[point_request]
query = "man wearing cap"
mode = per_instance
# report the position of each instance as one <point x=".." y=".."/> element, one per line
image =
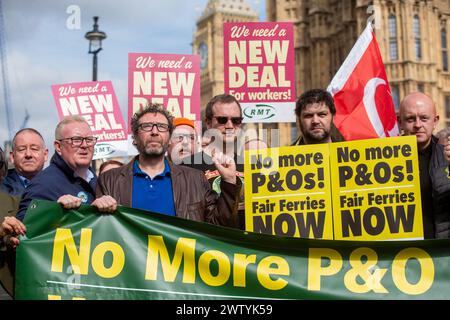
<point x="183" y="142"/>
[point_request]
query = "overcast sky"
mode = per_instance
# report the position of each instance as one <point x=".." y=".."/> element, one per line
<point x="42" y="50"/>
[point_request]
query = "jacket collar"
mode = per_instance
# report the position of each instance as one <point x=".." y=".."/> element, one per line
<point x="59" y="162"/>
<point x="127" y="170"/>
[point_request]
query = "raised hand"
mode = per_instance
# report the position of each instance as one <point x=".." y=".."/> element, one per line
<point x="225" y="165"/>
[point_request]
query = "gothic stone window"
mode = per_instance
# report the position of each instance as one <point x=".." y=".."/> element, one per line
<point x="395" y="91"/>
<point x="393" y="49"/>
<point x="447" y="107"/>
<point x="417" y="40"/>
<point x="444" y="50"/>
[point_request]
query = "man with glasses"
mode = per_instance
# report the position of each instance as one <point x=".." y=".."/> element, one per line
<point x="183" y="142"/>
<point x="28" y="155"/>
<point x="223" y="118"/>
<point x="68" y="179"/>
<point x="150" y="182"/>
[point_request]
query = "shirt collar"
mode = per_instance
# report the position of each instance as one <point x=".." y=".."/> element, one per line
<point x="24" y="180"/>
<point x="426" y="151"/>
<point x="89" y="177"/>
<point x="139" y="172"/>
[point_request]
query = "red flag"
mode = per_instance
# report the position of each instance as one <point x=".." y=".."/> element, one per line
<point x="364" y="105"/>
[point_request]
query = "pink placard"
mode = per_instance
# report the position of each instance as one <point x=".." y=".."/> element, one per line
<point x="96" y="102"/>
<point x="259" y="61"/>
<point x="172" y="80"/>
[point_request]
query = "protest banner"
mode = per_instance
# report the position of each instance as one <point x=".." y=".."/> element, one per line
<point x="172" y="80"/>
<point x="259" y="69"/>
<point x="133" y="254"/>
<point x="288" y="191"/>
<point x="96" y="101"/>
<point x="376" y="189"/>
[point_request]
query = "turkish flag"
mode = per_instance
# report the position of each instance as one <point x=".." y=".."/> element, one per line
<point x="364" y="105"/>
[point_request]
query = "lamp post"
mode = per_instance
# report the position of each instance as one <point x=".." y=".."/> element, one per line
<point x="95" y="38"/>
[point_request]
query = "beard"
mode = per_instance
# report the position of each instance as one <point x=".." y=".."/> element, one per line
<point x="316" y="137"/>
<point x="152" y="148"/>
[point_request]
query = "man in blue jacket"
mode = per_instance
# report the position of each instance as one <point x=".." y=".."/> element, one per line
<point x="28" y="155"/>
<point x="68" y="179"/>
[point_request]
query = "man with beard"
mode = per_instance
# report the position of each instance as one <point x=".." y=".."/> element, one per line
<point x="150" y="182"/>
<point x="315" y="111"/>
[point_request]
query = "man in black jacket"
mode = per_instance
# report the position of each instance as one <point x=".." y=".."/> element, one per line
<point x="418" y="117"/>
<point x="223" y="118"/>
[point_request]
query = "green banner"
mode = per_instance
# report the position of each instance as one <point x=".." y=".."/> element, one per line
<point x="133" y="254"/>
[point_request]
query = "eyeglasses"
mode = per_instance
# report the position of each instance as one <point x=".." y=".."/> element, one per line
<point x="148" y="126"/>
<point x="224" y="120"/>
<point x="179" y="137"/>
<point x="78" y="141"/>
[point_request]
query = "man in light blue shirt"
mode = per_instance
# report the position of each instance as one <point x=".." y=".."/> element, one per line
<point x="28" y="155"/>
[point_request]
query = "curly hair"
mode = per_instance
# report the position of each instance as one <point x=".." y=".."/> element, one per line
<point x="151" y="108"/>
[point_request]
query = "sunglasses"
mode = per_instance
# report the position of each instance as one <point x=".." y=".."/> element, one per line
<point x="224" y="120"/>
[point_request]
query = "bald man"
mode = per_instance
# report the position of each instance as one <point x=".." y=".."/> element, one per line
<point x="418" y="117"/>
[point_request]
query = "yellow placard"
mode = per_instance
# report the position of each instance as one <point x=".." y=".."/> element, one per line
<point x="288" y="191"/>
<point x="376" y="189"/>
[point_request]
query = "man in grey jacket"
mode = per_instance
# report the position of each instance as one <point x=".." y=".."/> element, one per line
<point x="150" y="182"/>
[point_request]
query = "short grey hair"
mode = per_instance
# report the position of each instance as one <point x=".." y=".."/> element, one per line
<point x="13" y="146"/>
<point x="67" y="120"/>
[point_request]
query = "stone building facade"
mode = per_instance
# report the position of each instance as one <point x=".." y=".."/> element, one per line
<point x="208" y="42"/>
<point x="413" y="36"/>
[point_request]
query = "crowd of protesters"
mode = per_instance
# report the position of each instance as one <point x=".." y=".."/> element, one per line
<point x="186" y="175"/>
